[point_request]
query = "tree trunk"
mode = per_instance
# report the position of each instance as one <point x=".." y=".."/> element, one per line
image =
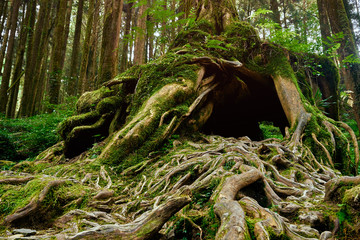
<point x="274" y="6"/>
<point x="139" y="45"/>
<point x="91" y="69"/>
<point x="3" y="15"/>
<point x="86" y="48"/>
<point x="324" y="23"/>
<point x="9" y="57"/>
<point x="340" y="23"/>
<point x="33" y="58"/>
<point x="57" y="56"/>
<point x="127" y="38"/>
<point x="25" y="33"/>
<point x="110" y="40"/>
<point x="5" y="38"/>
<point x="74" y="65"/>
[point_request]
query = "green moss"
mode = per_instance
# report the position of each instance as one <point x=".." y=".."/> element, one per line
<point x="16" y="197"/>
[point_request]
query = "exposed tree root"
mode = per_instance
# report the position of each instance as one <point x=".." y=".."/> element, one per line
<point x="33" y="208"/>
<point x="144" y="227"/>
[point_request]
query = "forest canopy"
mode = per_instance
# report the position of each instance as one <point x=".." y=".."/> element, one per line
<point x="166" y="119"/>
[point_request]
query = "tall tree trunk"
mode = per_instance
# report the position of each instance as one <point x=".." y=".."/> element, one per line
<point x="139" y="50"/>
<point x="74" y="65"/>
<point x="5" y="38"/>
<point x="91" y="69"/>
<point x="26" y="27"/>
<point x="340" y="23"/>
<point x="124" y="56"/>
<point x="32" y="57"/>
<point x="274" y="6"/>
<point x="110" y="40"/>
<point x="3" y="15"/>
<point x="39" y="81"/>
<point x="57" y="55"/>
<point x="86" y="48"/>
<point x="9" y="56"/>
<point x="324" y="22"/>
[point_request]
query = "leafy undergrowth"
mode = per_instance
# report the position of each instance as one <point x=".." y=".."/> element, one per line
<point x="25" y="138"/>
<point x="83" y="195"/>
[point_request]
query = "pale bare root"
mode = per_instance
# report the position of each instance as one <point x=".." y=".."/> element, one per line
<point x="144" y="227"/>
<point x="231" y="214"/>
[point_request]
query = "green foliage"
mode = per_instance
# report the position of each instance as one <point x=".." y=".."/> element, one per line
<point x="26" y="137"/>
<point x="270" y="131"/>
<point x="343" y="214"/>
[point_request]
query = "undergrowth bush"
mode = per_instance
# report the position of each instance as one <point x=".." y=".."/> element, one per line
<point x="25" y="138"/>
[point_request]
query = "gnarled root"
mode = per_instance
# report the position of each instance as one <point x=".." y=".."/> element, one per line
<point x="145" y="226"/>
<point x="33" y="207"/>
<point x="233" y="224"/>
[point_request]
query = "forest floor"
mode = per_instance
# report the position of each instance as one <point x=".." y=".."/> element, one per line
<point x="182" y="187"/>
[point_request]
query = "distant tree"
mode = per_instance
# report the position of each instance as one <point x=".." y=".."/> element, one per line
<point x="57" y="55"/>
<point x="34" y="59"/>
<point x="86" y="48"/>
<point x="9" y="57"/>
<point x="125" y="49"/>
<point x="74" y="65"/>
<point x="25" y="33"/>
<point x="139" y="48"/>
<point x="110" y="40"/>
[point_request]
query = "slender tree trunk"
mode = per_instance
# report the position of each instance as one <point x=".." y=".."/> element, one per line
<point x="38" y="79"/>
<point x="74" y="65"/>
<point x="86" y="48"/>
<point x="31" y="60"/>
<point x="139" y="51"/>
<point x="5" y="38"/>
<point x="26" y="27"/>
<point x="9" y="56"/>
<point x="340" y="23"/>
<point x="93" y="49"/>
<point x="3" y="15"/>
<point x="110" y="40"/>
<point x="124" y="56"/>
<point x="57" y="55"/>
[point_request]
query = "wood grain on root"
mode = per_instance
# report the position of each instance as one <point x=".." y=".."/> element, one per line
<point x="231" y="214"/>
<point x="144" y="227"/>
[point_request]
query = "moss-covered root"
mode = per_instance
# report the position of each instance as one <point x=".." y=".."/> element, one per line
<point x="335" y="188"/>
<point x="33" y="208"/>
<point x="146" y="121"/>
<point x="270" y="225"/>
<point x="144" y="227"/>
<point x="233" y="224"/>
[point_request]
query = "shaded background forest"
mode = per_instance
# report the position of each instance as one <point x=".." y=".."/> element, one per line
<point x="52" y="51"/>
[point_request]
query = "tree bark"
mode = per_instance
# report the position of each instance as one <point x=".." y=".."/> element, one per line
<point x="340" y="23"/>
<point x="86" y="48"/>
<point x="324" y="23"/>
<point x="91" y="69"/>
<point x="57" y="56"/>
<point x="33" y="59"/>
<point x="139" y="46"/>
<point x="3" y="15"/>
<point x="5" y="38"/>
<point x="124" y="56"/>
<point x="274" y="6"/>
<point x="74" y="65"/>
<point x="110" y="40"/>
<point x="25" y="32"/>
<point x="9" y="56"/>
